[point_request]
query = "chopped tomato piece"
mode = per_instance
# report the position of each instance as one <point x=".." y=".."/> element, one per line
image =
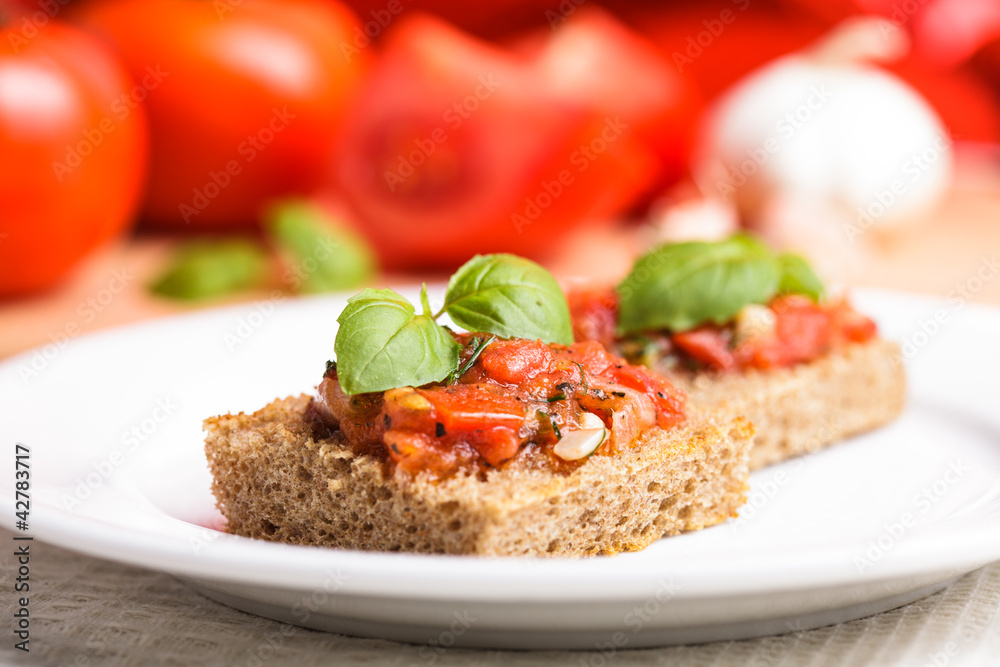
<point x="850" y="325"/>
<point x="515" y="361"/>
<point x="356" y="416"/>
<point x="802" y="327"/>
<point x="416" y="451"/>
<point x="467" y="407"/>
<point x="668" y="399"/>
<point x="497" y="444"/>
<point x="762" y="354"/>
<point x="592" y="356"/>
<point x="406" y="409"/>
<point x="407" y="446"/>
<point x="595" y="313"/>
<point x="707" y="345"/>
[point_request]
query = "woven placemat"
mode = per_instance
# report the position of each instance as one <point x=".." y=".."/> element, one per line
<point x="86" y="611"/>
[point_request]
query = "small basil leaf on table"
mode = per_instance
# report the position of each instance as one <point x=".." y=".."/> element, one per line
<point x="203" y="269"/>
<point x="797" y="277"/>
<point x="509" y="296"/>
<point x="323" y="255"/>
<point x="683" y="285"/>
<point x="382" y="343"/>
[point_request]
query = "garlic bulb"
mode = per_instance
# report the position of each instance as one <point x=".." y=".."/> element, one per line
<point x="853" y="142"/>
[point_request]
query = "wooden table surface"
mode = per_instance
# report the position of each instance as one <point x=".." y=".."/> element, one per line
<point x="955" y="249"/>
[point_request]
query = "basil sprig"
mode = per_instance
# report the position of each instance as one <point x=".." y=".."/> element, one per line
<point x="509" y="296"/>
<point x="681" y="286"/>
<point x="797" y="277"/>
<point x="384" y="343"/>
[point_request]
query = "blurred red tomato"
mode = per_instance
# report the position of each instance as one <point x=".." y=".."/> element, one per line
<point x="986" y="64"/>
<point x="74" y="154"/>
<point x="494" y="19"/>
<point x="456" y="147"/>
<point x="595" y="61"/>
<point x="244" y="98"/>
<point x="964" y="102"/>
<point x="716" y="42"/>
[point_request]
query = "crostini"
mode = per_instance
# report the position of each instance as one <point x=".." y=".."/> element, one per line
<point x="509" y="440"/>
<point x="750" y="333"/>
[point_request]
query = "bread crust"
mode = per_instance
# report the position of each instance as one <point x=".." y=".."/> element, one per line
<point x="273" y="480"/>
<point x="806" y="407"/>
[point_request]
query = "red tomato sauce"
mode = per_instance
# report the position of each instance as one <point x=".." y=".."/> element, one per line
<point x="515" y="394"/>
<point x="802" y="331"/>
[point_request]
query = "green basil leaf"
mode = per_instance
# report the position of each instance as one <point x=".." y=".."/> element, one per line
<point x="509" y="296"/>
<point x="797" y="277"/>
<point x="382" y="343"/>
<point x="683" y="285"/>
<point x="322" y="255"/>
<point x="203" y="269"/>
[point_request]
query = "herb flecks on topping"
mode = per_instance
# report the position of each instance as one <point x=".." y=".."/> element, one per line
<point x="476" y="346"/>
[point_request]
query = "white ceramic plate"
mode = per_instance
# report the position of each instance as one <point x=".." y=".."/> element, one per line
<point x="114" y="426"/>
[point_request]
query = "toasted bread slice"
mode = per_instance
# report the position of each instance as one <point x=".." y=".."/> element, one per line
<point x="274" y="481"/>
<point x="806" y="407"/>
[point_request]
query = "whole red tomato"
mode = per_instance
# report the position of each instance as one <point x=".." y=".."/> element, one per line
<point x="968" y="106"/>
<point x="593" y="60"/>
<point x="244" y="98"/>
<point x="456" y="146"/>
<point x="73" y="152"/>
<point x="490" y="20"/>
<point x="716" y="42"/>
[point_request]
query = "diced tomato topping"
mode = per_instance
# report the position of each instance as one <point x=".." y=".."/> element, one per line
<point x="516" y="392"/>
<point x="803" y="331"/>
<point x="708" y="345"/>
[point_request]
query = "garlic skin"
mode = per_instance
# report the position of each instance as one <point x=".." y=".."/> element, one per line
<point x="857" y="142"/>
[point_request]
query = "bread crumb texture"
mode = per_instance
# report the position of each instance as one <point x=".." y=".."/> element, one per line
<point x="804" y="408"/>
<point x="274" y="481"/>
